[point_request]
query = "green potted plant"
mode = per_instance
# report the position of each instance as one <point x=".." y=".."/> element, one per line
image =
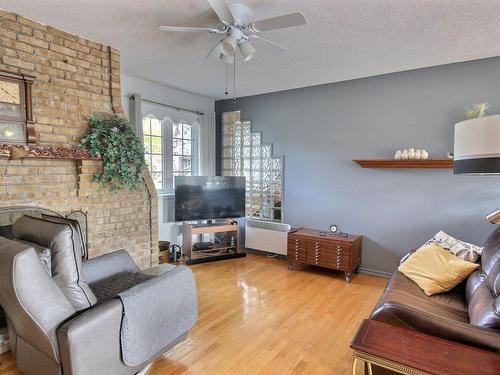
<point x="112" y="139"/>
<point x="477" y="110"/>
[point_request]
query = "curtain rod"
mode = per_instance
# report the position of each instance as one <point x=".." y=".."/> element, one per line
<point x="172" y="106"/>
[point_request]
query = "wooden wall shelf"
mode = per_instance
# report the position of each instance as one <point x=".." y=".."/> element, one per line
<point x="391" y="163"/>
<point x="43" y="152"/>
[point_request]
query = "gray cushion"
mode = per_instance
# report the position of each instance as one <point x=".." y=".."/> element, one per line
<point x="66" y="256"/>
<point x="110" y="288"/>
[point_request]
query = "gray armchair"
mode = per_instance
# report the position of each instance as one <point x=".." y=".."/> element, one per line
<point x="100" y="316"/>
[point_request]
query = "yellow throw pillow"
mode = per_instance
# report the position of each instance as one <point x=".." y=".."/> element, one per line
<point x="435" y="269"/>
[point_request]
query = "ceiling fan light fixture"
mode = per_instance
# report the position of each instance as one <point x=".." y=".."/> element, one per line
<point x="247" y="50"/>
<point x="229" y="45"/>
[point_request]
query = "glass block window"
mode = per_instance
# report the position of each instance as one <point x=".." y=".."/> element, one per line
<point x="244" y="154"/>
<point x="154" y="152"/>
<point x="182" y="141"/>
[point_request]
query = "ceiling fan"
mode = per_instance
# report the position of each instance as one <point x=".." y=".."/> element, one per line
<point x="239" y="29"/>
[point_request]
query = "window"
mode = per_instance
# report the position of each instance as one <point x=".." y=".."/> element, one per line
<point x="154" y="152"/>
<point x="170" y="149"/>
<point x="182" y="135"/>
<point x="244" y="154"/>
<point x="16" y="123"/>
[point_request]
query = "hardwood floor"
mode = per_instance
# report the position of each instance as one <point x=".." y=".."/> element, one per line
<point x="257" y="317"/>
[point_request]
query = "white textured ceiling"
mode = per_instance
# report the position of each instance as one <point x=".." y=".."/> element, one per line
<point x="344" y="39"/>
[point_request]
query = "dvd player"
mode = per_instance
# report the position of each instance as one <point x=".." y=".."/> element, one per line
<point x="203" y="246"/>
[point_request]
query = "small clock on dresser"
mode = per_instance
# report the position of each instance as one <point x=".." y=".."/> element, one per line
<point x="334" y="229"/>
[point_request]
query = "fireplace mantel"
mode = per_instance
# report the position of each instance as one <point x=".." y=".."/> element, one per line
<point x="43" y="152"/>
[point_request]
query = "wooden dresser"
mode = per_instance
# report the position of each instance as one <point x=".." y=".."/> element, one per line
<point x="338" y="252"/>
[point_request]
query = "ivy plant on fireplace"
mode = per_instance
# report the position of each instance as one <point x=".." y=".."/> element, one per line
<point x="112" y="139"/>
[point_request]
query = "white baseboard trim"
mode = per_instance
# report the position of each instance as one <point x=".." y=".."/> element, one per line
<point x="368" y="271"/>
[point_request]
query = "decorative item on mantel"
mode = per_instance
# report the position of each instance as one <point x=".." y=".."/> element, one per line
<point x="16" y="152"/>
<point x="411" y="154"/>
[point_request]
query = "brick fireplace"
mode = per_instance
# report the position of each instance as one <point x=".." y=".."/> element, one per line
<point x="75" y="77"/>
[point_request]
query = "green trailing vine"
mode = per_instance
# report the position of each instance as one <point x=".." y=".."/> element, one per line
<point x="112" y="139"/>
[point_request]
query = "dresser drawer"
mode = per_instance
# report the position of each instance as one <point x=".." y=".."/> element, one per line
<point x="297" y="256"/>
<point x="337" y="264"/>
<point x="329" y="247"/>
<point x="333" y="257"/>
<point x="297" y="249"/>
<point x="294" y="241"/>
<point x="321" y="259"/>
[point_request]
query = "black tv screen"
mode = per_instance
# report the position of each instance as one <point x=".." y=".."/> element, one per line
<point x="205" y="198"/>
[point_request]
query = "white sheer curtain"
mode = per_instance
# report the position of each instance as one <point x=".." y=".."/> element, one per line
<point x="136" y="114"/>
<point x="207" y="143"/>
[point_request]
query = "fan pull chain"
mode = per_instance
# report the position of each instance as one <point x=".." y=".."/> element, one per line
<point x="234" y="78"/>
<point x="226" y="92"/>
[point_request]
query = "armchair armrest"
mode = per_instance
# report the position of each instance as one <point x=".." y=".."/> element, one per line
<point x="31" y="298"/>
<point x="90" y="342"/>
<point x="107" y="265"/>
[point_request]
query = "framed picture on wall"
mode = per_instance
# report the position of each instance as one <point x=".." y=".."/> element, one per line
<point x="16" y="115"/>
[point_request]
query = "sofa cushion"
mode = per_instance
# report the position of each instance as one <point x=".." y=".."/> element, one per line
<point x="462" y="249"/>
<point x="399" y="286"/>
<point x="435" y="269"/>
<point x="483" y="287"/>
<point x="66" y="256"/>
<point x="445" y="315"/>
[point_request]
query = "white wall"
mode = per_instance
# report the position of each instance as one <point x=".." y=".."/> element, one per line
<point x="164" y="94"/>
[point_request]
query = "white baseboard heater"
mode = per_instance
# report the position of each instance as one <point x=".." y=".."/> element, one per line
<point x="266" y="236"/>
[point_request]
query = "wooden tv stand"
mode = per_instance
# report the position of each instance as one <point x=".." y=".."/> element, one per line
<point x="339" y="252"/>
<point x="220" y="251"/>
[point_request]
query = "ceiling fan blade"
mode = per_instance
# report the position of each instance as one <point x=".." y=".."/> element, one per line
<point x="280" y="22"/>
<point x="188" y="29"/>
<point x="215" y="52"/>
<point x="222" y="10"/>
<point x="267" y="40"/>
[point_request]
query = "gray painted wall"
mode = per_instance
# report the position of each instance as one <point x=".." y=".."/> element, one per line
<point x="321" y="129"/>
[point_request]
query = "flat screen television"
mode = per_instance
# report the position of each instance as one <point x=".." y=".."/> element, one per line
<point x="205" y="198"/>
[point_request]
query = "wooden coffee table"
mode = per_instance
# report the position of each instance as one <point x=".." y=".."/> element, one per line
<point x="406" y="351"/>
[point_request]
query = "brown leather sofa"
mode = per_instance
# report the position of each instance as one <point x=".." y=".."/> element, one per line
<point x="469" y="314"/>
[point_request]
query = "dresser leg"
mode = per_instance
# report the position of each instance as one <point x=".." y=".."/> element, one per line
<point x="290" y="267"/>
<point x="347" y="277"/>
